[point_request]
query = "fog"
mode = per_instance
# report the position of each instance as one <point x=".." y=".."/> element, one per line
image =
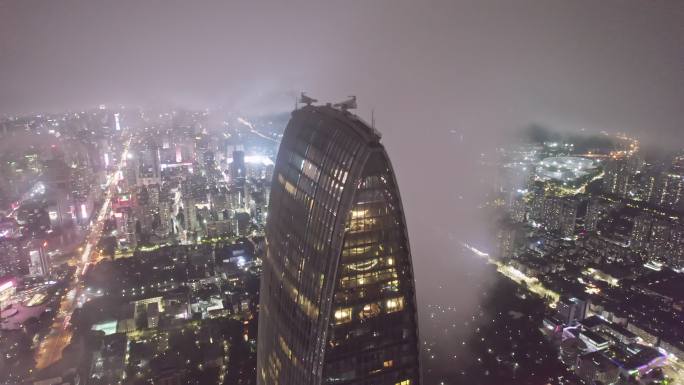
<point x="448" y="81"/>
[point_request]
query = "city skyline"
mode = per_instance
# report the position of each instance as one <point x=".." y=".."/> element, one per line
<point x="554" y="63"/>
<point x="577" y="224"/>
<point x="152" y="231"/>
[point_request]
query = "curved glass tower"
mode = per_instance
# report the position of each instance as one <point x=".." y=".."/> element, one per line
<point x="337" y="298"/>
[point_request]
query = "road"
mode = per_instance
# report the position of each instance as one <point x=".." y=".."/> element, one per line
<point x="254" y="131"/>
<point x="37" y="189"/>
<point x="50" y="349"/>
<point x="675" y="371"/>
<point x="517" y="276"/>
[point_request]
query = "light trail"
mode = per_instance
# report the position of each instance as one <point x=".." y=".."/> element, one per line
<point x="254" y="130"/>
<point x="38" y="188"/>
<point x="51" y="347"/>
<point x="476" y="251"/>
<point x="532" y="283"/>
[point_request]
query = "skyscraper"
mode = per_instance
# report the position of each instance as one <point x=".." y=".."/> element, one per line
<point x="619" y="177"/>
<point x="237" y="168"/>
<point x="148" y="167"/>
<point x="337" y="291"/>
<point x="39" y="262"/>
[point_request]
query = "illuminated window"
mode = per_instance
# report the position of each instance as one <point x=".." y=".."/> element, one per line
<point x="404" y="382"/>
<point x="360" y="250"/>
<point x="391" y="286"/>
<point x="343" y="315"/>
<point x="369" y="310"/>
<point x="308" y="307"/>
<point x="310" y="170"/>
<point x="358" y="213"/>
<point x="363" y="265"/>
<point x="388" y="364"/>
<point x="285" y="348"/>
<point x="288" y="186"/>
<point x="394" y="304"/>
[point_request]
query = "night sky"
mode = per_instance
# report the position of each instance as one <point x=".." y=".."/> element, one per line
<point x="448" y="80"/>
<point x="464" y="65"/>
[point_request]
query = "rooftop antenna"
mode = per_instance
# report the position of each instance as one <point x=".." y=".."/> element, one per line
<point x="348" y="104"/>
<point x="306" y="99"/>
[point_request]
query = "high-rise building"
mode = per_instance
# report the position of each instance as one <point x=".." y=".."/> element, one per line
<point x="675" y="259"/>
<point x="12" y="261"/>
<point x="237" y="168"/>
<point x="148" y="208"/>
<point x="641" y="231"/>
<point x="659" y="239"/>
<point x="337" y="291"/>
<point x="568" y="216"/>
<point x="555" y="213"/>
<point x="7" y="291"/>
<point x="618" y="177"/>
<point x="572" y="309"/>
<point x="595" y="210"/>
<point x="519" y="208"/>
<point x="147" y="165"/>
<point x="39" y="262"/>
<point x="672" y="190"/>
<point x="509" y="237"/>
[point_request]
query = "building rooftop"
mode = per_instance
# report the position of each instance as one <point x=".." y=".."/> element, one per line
<point x="599" y="361"/>
<point x="594" y="337"/>
<point x="621" y="330"/>
<point x="362" y="128"/>
<point x="648" y="356"/>
<point x="593" y="322"/>
<point x="665" y="283"/>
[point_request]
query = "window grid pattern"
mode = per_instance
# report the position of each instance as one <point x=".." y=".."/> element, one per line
<point x="372" y="337"/>
<point x="317" y="177"/>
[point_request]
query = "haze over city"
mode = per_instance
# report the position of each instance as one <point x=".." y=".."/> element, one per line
<point x="470" y="98"/>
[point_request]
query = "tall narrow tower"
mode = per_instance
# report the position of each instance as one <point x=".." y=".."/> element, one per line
<point x="337" y="292"/>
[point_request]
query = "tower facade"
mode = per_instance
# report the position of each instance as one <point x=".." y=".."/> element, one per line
<point x="337" y="298"/>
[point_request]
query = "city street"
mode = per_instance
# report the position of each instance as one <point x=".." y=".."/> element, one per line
<point x="50" y="349"/>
